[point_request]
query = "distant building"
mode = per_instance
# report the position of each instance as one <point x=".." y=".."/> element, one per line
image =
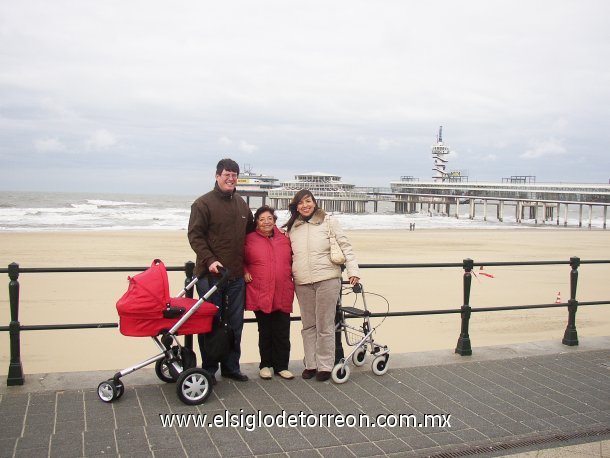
<point x="330" y="193"/>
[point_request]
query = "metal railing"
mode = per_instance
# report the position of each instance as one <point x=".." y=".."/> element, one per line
<point x="463" y="347"/>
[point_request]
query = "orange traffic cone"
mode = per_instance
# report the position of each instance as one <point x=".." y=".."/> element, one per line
<point x="558" y="299"/>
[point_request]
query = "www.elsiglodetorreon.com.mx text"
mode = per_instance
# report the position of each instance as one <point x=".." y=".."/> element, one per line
<point x="252" y="421"/>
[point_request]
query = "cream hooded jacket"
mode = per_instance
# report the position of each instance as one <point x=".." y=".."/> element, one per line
<point x="311" y="250"/>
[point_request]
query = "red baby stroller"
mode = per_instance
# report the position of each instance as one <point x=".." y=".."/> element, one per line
<point x="147" y="310"/>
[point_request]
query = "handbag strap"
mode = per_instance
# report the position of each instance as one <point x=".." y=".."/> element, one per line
<point x="331" y="233"/>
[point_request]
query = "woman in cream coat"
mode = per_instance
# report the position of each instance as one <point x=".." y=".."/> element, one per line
<point x="317" y="280"/>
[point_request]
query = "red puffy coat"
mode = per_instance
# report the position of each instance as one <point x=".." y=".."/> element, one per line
<point x="269" y="261"/>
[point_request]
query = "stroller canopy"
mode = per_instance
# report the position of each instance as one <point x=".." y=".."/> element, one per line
<point x="148" y="292"/>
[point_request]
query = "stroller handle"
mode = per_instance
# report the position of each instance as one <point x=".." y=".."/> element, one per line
<point x="224" y="275"/>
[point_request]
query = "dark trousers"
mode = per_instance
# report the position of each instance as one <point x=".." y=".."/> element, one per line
<point x="235" y="293"/>
<point x="274" y="339"/>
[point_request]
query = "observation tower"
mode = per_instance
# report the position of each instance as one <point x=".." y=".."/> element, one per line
<point x="439" y="151"/>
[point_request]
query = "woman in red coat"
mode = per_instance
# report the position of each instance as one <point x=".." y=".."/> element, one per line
<point x="270" y="291"/>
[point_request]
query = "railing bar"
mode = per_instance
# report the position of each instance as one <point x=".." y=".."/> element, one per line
<point x="363" y="266"/>
<point x="43" y="327"/>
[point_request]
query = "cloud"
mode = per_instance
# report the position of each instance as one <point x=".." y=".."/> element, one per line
<point x="385" y="144"/>
<point x="242" y="145"/>
<point x="101" y="139"/>
<point x="49" y="145"/>
<point x="246" y="147"/>
<point x="225" y="142"/>
<point x="550" y="147"/>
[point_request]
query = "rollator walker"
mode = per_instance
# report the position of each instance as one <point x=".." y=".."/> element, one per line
<point x="361" y="338"/>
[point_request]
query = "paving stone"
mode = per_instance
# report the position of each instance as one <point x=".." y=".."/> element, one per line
<point x="491" y="402"/>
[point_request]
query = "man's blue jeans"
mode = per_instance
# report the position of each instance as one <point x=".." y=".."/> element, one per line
<point x="235" y="291"/>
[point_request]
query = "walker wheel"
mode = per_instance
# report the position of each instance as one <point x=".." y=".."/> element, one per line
<point x="164" y="372"/>
<point x="359" y="357"/>
<point x="194" y="386"/>
<point x="340" y="373"/>
<point x="108" y="391"/>
<point x="380" y="364"/>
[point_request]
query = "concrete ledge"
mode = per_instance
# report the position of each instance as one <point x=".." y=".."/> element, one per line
<point x="58" y="381"/>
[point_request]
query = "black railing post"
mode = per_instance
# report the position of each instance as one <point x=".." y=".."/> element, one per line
<point x="189" y="270"/>
<point x="463" y="346"/>
<point x="15" y="369"/>
<point x="570" y="336"/>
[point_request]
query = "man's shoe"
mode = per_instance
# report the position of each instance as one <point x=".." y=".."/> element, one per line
<point x="238" y="376"/>
<point x="286" y="374"/>
<point x="322" y="376"/>
<point x="266" y="373"/>
<point x="308" y="373"/>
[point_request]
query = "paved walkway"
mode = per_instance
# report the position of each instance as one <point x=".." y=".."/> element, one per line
<point x="528" y="399"/>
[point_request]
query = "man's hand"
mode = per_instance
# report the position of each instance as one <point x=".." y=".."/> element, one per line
<point x="214" y="267"/>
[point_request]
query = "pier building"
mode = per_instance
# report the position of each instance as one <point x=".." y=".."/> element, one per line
<point x="330" y="193"/>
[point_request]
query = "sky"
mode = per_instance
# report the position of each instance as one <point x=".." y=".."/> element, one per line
<point x="146" y="95"/>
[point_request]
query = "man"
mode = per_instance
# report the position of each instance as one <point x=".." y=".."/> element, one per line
<point x="217" y="230"/>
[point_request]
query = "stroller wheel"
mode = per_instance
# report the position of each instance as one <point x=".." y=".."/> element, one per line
<point x="380" y="364"/>
<point x="340" y="373"/>
<point x="359" y="357"/>
<point x="108" y="391"/>
<point x="120" y="389"/>
<point x="163" y="371"/>
<point x="194" y="386"/>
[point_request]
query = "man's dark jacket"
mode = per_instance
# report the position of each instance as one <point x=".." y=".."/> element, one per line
<point x="217" y="230"/>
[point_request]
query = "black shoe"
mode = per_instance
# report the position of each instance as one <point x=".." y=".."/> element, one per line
<point x="238" y="376"/>
<point x="322" y="376"/>
<point x="308" y="373"/>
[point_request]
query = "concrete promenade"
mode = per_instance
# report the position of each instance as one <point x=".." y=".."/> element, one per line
<point x="536" y="399"/>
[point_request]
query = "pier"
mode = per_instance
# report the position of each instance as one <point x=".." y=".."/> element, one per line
<point x="543" y="203"/>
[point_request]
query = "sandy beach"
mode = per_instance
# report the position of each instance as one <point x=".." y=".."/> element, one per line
<point x="56" y="298"/>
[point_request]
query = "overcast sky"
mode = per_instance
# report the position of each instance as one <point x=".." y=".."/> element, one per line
<point x="146" y="96"/>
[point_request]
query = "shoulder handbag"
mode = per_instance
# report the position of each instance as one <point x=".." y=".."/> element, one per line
<point x="219" y="342"/>
<point x="336" y="254"/>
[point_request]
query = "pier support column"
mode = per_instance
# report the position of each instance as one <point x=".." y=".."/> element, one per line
<point x="590" y="215"/>
<point x="565" y="215"/>
<point x="457" y="208"/>
<point x="580" y="215"/>
<point x="605" y="215"/>
<point x="501" y="209"/>
<point x="485" y="210"/>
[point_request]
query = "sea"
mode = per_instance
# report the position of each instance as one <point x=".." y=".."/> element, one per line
<point x="60" y="211"/>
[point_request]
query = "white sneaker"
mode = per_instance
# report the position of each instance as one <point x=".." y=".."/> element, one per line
<point x="266" y="373"/>
<point x="286" y="374"/>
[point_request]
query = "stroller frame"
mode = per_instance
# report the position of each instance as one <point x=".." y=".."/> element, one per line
<point x="361" y="338"/>
<point x="174" y="363"/>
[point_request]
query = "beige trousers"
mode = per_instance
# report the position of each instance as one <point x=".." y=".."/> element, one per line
<point x="318" y="303"/>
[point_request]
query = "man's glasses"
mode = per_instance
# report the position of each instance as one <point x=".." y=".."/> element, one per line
<point x="228" y="175"/>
